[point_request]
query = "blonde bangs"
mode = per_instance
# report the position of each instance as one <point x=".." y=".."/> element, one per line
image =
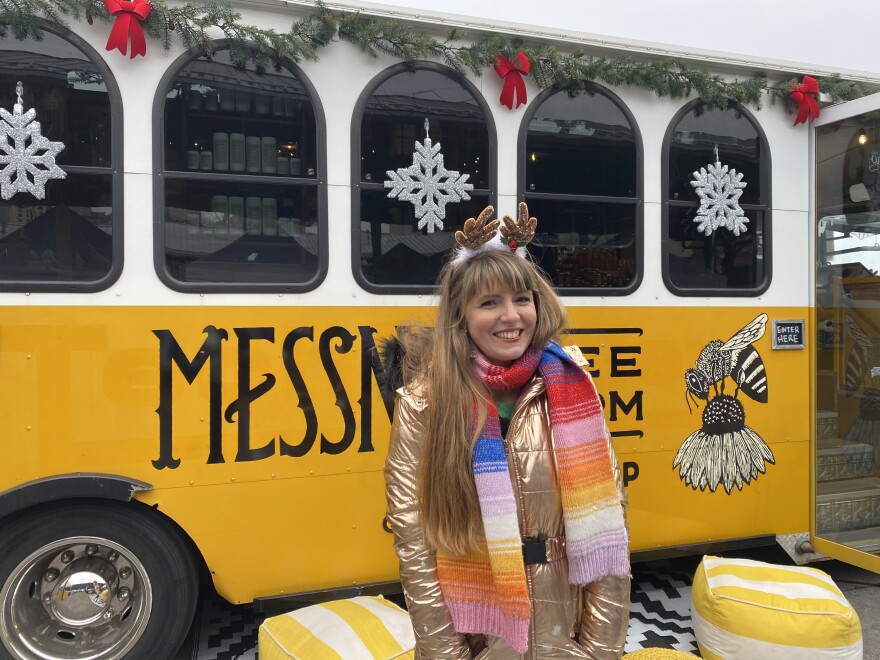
<point x="496" y="271"/>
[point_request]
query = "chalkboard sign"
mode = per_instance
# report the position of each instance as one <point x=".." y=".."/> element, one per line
<point x="788" y="334"/>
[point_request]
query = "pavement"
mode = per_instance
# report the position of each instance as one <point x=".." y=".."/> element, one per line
<point x="862" y="590"/>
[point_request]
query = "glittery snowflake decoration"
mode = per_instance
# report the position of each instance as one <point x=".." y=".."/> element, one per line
<point x="719" y="190"/>
<point x="428" y="185"/>
<point x="27" y="158"/>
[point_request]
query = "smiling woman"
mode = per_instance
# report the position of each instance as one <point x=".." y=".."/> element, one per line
<point x="495" y="406"/>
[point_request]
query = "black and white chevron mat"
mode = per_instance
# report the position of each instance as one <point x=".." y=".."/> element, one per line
<point x="660" y="617"/>
<point x="660" y="609"/>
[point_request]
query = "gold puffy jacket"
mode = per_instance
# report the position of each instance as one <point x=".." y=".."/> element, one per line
<point x="568" y="621"/>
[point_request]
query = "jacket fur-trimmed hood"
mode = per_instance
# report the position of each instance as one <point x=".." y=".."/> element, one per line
<point x="392" y="352"/>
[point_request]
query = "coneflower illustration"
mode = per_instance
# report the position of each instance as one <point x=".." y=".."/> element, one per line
<point x="724" y="451"/>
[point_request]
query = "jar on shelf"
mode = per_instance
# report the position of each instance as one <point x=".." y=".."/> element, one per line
<point x="268" y="154"/>
<point x="221" y="151"/>
<point x="253" y="153"/>
<point x="220" y="209"/>
<point x="253" y="216"/>
<point x="236" y="216"/>
<point x="237" y="152"/>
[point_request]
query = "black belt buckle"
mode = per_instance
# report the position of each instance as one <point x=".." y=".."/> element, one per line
<point x="534" y="551"/>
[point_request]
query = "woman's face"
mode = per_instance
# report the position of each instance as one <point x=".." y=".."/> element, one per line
<point x="501" y="324"/>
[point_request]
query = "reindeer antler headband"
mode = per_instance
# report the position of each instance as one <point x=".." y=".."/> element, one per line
<point x="481" y="234"/>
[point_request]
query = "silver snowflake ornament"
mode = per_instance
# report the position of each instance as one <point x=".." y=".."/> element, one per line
<point x="27" y="158"/>
<point x="428" y="185"/>
<point x="719" y="190"/>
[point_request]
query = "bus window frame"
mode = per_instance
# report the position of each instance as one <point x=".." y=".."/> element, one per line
<point x="765" y="167"/>
<point x="114" y="171"/>
<point x="638" y="201"/>
<point x="356" y="183"/>
<point x="160" y="174"/>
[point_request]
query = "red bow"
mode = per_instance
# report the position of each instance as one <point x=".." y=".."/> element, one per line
<point x="513" y="82"/>
<point x="805" y="96"/>
<point x="125" y="26"/>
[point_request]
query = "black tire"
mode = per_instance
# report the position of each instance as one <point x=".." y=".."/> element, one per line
<point x="95" y="579"/>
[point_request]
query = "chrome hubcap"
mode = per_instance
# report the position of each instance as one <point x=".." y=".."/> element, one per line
<point x="82" y="598"/>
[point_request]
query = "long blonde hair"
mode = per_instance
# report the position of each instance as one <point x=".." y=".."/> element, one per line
<point x="450" y="511"/>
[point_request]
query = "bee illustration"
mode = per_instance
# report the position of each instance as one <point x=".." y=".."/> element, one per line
<point x="736" y="358"/>
<point x="725" y="451"/>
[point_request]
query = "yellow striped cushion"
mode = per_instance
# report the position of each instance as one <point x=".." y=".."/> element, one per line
<point x="749" y="609"/>
<point x="362" y="628"/>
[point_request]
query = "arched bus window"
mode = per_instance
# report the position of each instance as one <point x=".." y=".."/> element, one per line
<point x="722" y="263"/>
<point x="241" y="193"/>
<point x="582" y="180"/>
<point x="71" y="240"/>
<point x="390" y="254"/>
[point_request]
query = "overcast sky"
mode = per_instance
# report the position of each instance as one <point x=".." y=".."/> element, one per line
<point x="843" y="34"/>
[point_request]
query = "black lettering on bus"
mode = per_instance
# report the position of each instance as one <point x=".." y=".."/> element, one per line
<point x="371" y="364"/>
<point x="346" y="341"/>
<point x="304" y="399"/>
<point x="170" y="353"/>
<point x="630" y="472"/>
<point x="617" y="362"/>
<point x="587" y="351"/>
<point x="247" y="395"/>
<point x="617" y="403"/>
<point x="634" y="433"/>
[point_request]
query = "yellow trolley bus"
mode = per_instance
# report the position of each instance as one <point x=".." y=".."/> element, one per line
<point x="188" y="319"/>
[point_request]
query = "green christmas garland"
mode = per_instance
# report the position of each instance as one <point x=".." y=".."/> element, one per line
<point x="550" y="68"/>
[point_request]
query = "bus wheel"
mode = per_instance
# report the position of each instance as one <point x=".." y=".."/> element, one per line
<point x="94" y="580"/>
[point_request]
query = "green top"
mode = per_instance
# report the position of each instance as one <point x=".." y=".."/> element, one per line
<point x="505" y="410"/>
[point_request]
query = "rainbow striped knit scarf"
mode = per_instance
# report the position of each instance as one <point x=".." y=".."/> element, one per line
<point x="486" y="592"/>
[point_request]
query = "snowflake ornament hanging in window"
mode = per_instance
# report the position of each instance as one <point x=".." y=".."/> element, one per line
<point x="27" y="158"/>
<point x="428" y="185"/>
<point x="719" y="190"/>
